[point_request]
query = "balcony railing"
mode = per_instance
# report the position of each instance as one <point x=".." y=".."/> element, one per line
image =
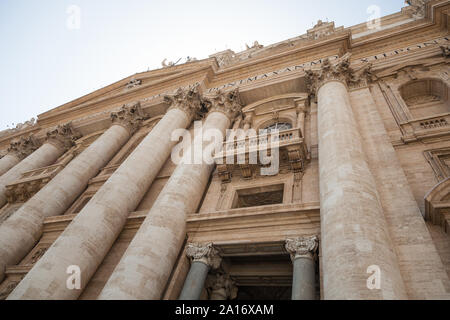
<point x="236" y="153"/>
<point x="261" y="142"/>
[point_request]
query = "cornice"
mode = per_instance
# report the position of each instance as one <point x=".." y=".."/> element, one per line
<point x="343" y="37"/>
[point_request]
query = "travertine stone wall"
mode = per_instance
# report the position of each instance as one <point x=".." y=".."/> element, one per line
<point x="407" y="228"/>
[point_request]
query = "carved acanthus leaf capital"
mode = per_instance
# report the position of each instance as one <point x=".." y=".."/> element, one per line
<point x="229" y="103"/>
<point x="205" y="253"/>
<point x="361" y="77"/>
<point x="130" y="116"/>
<point x="23" y="147"/>
<point x="63" y="136"/>
<point x="338" y="70"/>
<point x="302" y="247"/>
<point x="185" y="99"/>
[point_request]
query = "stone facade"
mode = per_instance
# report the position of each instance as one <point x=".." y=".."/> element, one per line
<point x="353" y="204"/>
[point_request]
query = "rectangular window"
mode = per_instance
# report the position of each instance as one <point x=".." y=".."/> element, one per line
<point x="260" y="196"/>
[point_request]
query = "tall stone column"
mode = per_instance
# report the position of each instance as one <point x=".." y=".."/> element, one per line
<point x="22" y="230"/>
<point x="87" y="240"/>
<point x="59" y="140"/>
<point x="353" y="227"/>
<point x="203" y="258"/>
<point x="145" y="267"/>
<point x="303" y="257"/>
<point x="18" y="151"/>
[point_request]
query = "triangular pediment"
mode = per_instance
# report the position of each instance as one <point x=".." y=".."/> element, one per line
<point x="133" y="82"/>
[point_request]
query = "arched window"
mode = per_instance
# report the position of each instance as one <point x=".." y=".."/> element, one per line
<point x="426" y="98"/>
<point x="280" y="126"/>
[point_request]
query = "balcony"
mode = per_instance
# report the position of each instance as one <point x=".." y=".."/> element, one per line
<point x="429" y="127"/>
<point x="248" y="153"/>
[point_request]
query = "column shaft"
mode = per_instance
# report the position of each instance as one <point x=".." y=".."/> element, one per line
<point x="87" y="240"/>
<point x="195" y="281"/>
<point x="354" y="231"/>
<point x="46" y="155"/>
<point x="22" y="230"/>
<point x="7" y="162"/>
<point x="145" y="267"/>
<point x="304" y="279"/>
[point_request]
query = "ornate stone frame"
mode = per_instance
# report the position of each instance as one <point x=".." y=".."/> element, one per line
<point x="412" y="129"/>
<point x="437" y="205"/>
<point x="433" y="157"/>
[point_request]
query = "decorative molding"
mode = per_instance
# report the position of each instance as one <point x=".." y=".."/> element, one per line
<point x="302" y="247"/>
<point x="10" y="286"/>
<point x="228" y="103"/>
<point x="322" y="30"/>
<point x="20" y="193"/>
<point x="205" y="253"/>
<point x="419" y="7"/>
<point x="23" y="147"/>
<point x="186" y="99"/>
<point x="63" y="136"/>
<point x="133" y="83"/>
<point x="39" y="253"/>
<point x="439" y="159"/>
<point x="221" y="287"/>
<point x="130" y="116"/>
<point x="339" y="70"/>
<point x="445" y="51"/>
<point x="362" y="77"/>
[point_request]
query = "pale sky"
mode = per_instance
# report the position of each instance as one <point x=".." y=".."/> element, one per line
<point x="46" y="62"/>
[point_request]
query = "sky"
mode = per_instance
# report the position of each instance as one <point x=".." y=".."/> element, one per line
<point x="56" y="51"/>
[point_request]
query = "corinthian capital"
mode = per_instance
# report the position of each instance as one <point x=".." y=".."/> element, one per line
<point x="229" y="103"/>
<point x="63" y="136"/>
<point x="302" y="247"/>
<point x="361" y="77"/>
<point x="129" y="116"/>
<point x="185" y="99"/>
<point x="23" y="147"/>
<point x="337" y="71"/>
<point x="205" y="253"/>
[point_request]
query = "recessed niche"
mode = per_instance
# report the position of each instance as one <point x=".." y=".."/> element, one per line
<point x="259" y="196"/>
